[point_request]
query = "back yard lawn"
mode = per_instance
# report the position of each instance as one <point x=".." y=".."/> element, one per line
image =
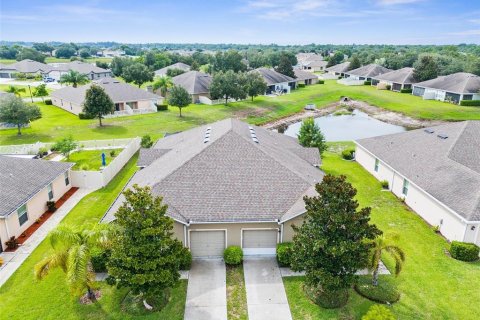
<point x="432" y="285"/>
<point x="91" y="159"/>
<point x="22" y="297"/>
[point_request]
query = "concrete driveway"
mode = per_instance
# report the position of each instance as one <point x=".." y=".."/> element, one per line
<point x="266" y="296"/>
<point x="207" y="291"/>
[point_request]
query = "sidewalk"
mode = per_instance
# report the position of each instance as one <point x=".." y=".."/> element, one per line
<point x="13" y="260"/>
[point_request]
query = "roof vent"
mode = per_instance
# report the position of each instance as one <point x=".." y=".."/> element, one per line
<point x="207" y="135"/>
<point x="429" y="130"/>
<point x="253" y="135"/>
<point x="442" y="136"/>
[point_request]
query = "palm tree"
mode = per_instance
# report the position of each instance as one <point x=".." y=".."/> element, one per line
<point x="16" y="91"/>
<point x="163" y="83"/>
<point x="73" y="77"/>
<point x="382" y="244"/>
<point x="71" y="252"/>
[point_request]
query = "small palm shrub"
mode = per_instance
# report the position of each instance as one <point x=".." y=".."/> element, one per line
<point x="146" y="142"/>
<point x="464" y="251"/>
<point x="284" y="254"/>
<point x="378" y="312"/>
<point x="233" y="255"/>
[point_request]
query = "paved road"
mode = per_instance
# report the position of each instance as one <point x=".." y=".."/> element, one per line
<point x="266" y="296"/>
<point x="207" y="291"/>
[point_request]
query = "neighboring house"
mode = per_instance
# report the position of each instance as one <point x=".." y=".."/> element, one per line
<point x="196" y="83"/>
<point x="366" y="73"/>
<point x="311" y="62"/>
<point x="25" y="187"/>
<point x="111" y="53"/>
<point x="128" y="99"/>
<point x="92" y="71"/>
<point x="277" y="83"/>
<point x="397" y="79"/>
<point x="305" y="77"/>
<point x="228" y="183"/>
<point x="452" y="88"/>
<point x="179" y="65"/>
<point x="338" y="69"/>
<point x="27" y="67"/>
<point x="436" y="170"/>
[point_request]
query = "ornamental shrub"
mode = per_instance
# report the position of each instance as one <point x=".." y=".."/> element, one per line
<point x="83" y="116"/>
<point x="464" y="251"/>
<point x="48" y="102"/>
<point x="368" y="83"/>
<point x="233" y="255"/>
<point x="406" y="90"/>
<point x="348" y="154"/>
<point x="321" y="81"/>
<point x="162" y="107"/>
<point x="378" y="312"/>
<point x="185" y="259"/>
<point x="284" y="254"/>
<point x="99" y="259"/>
<point x="301" y="85"/>
<point x="146" y="142"/>
<point x="470" y="103"/>
<point x="384" y="184"/>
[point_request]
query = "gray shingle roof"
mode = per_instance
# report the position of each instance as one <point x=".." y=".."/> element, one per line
<point x="195" y="82"/>
<point x="340" y="68"/>
<point x="118" y="92"/>
<point x="403" y="76"/>
<point x="370" y="70"/>
<point x="147" y="156"/>
<point x="78" y="66"/>
<point x="272" y="77"/>
<point x="31" y="66"/>
<point x="304" y="75"/>
<point x="460" y="82"/>
<point x="21" y="179"/>
<point x="230" y="178"/>
<point x="448" y="169"/>
<point x="178" y="65"/>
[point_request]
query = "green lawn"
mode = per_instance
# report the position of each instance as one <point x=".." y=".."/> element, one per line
<point x="91" y="158"/>
<point x="236" y="294"/>
<point x="432" y="285"/>
<point x="26" y="94"/>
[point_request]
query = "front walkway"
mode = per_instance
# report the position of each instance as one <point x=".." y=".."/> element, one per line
<point x="207" y="291"/>
<point x="266" y="297"/>
<point x="13" y="260"/>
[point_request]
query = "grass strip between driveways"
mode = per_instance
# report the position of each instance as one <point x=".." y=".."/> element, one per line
<point x="23" y="297"/>
<point x="236" y="294"/>
<point x="432" y="285"/>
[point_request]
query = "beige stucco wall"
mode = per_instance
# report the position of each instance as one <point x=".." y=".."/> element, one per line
<point x="67" y="106"/>
<point x="288" y="230"/>
<point x="195" y="97"/>
<point x="451" y="226"/>
<point x="36" y="206"/>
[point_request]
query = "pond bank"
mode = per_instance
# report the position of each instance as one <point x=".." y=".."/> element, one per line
<point x="390" y="117"/>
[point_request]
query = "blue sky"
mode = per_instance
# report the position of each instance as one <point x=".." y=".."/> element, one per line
<point x="243" y="21"/>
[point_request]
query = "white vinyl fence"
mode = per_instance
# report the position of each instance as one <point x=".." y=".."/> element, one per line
<point x="89" y="145"/>
<point x="206" y="100"/>
<point x="98" y="179"/>
<point x="351" y="82"/>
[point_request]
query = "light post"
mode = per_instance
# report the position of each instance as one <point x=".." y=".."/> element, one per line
<point x="30" y="90"/>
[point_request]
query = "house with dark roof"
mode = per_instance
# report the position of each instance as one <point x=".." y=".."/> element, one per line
<point x="396" y="79"/>
<point x="25" y="187"/>
<point x="277" y="83"/>
<point x="451" y="88"/>
<point x="338" y="69"/>
<point x="229" y="183"/>
<point x="196" y="83"/>
<point x="305" y="77"/>
<point x="366" y="73"/>
<point x="435" y="170"/>
<point x="128" y="99"/>
<point x="179" y="65"/>
<point x="90" y="70"/>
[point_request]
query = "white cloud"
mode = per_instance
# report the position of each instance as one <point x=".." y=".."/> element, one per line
<point x="394" y="2"/>
<point x="466" y="33"/>
<point x="474" y="21"/>
<point x="281" y="9"/>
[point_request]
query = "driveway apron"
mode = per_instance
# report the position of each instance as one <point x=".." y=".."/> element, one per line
<point x="266" y="296"/>
<point x="207" y="291"/>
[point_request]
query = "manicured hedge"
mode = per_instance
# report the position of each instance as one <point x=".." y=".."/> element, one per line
<point x="162" y="107"/>
<point x="321" y="81"/>
<point x="368" y="83"/>
<point x="464" y="251"/>
<point x="470" y="103"/>
<point x="48" y="102"/>
<point x="84" y="116"/>
<point x="301" y="85"/>
<point x="233" y="255"/>
<point x="405" y="90"/>
<point x="348" y="154"/>
<point x="384" y="292"/>
<point x="185" y="259"/>
<point x="284" y="254"/>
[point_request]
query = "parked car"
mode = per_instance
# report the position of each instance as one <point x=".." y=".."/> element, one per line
<point x="48" y="79"/>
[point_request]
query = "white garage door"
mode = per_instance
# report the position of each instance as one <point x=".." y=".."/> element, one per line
<point x="207" y="243"/>
<point x="257" y="242"/>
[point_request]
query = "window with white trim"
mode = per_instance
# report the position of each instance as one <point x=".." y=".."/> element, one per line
<point x="67" y="178"/>
<point x="406" y="184"/>
<point x="22" y="214"/>
<point x="377" y="163"/>
<point x="50" y="192"/>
